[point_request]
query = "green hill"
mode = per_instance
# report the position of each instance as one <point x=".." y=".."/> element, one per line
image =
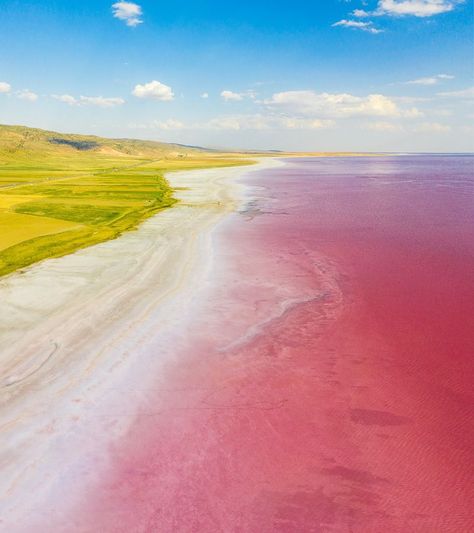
<point x="19" y="144"/>
<point x="61" y="192"/>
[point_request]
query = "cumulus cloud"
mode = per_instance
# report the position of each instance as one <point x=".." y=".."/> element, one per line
<point x="99" y="101"/>
<point x="27" y="95"/>
<point x="154" y="90"/>
<point x="361" y="13"/>
<point x="231" y="96"/>
<point x="317" y="105"/>
<point x="357" y="24"/>
<point x="416" y="8"/>
<point x="432" y="80"/>
<point x="205" y="96"/>
<point x="129" y="12"/>
<point x="5" y="87"/>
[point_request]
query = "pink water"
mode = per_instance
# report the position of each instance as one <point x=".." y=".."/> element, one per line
<point x="325" y="383"/>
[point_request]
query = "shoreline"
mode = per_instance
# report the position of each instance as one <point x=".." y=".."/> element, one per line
<point x="85" y="324"/>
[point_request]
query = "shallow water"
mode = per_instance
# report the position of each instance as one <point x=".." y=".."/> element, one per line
<point x="325" y="381"/>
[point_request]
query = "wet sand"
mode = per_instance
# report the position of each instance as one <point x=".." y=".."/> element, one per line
<point x="316" y="375"/>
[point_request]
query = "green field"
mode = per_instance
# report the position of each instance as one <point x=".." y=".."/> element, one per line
<point x="59" y="193"/>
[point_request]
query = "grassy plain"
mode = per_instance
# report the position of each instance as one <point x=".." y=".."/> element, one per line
<point x="59" y="193"/>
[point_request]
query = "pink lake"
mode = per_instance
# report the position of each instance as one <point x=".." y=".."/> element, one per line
<point x="325" y="381"/>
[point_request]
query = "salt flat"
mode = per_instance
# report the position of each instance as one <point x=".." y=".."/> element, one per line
<point x="74" y="328"/>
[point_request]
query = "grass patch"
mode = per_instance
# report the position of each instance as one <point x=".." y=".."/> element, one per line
<point x="87" y="214"/>
<point x="16" y="228"/>
<point x="57" y="197"/>
<point x="33" y="250"/>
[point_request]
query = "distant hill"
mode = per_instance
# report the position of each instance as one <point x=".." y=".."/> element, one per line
<point x="20" y="143"/>
<point x="61" y="192"/>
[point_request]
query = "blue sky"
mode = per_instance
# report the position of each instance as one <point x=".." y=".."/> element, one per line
<point x="329" y="75"/>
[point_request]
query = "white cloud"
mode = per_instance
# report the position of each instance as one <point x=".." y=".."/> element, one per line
<point x="154" y="90"/>
<point x="170" y="124"/>
<point x="423" y="81"/>
<point x="361" y="13"/>
<point x="255" y="122"/>
<point x="129" y="12"/>
<point x="416" y="8"/>
<point x="205" y="95"/>
<point x="231" y="96"/>
<point x="98" y="101"/>
<point x="464" y="93"/>
<point x="413" y="112"/>
<point x="25" y="94"/>
<point x="357" y="24"/>
<point x="66" y="98"/>
<point x="317" y="105"/>
<point x="432" y="80"/>
<point x="5" y="87"/>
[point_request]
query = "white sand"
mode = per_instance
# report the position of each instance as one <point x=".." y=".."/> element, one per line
<point x="73" y="329"/>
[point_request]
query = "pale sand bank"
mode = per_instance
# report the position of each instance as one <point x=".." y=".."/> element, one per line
<point x="73" y="328"/>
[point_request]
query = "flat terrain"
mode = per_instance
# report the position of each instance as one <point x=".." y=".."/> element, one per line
<point x="60" y="193"/>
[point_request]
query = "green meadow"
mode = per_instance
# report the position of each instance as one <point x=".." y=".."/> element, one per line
<point x="60" y="193"/>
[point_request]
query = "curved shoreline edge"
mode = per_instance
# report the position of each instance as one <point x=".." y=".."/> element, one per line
<point x="73" y="328"/>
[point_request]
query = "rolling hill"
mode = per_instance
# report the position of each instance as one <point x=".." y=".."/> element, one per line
<point x="61" y="192"/>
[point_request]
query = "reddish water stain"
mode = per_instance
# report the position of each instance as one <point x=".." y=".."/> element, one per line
<point x="327" y="383"/>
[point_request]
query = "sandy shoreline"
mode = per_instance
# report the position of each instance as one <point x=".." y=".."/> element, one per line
<point x="74" y="328"/>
